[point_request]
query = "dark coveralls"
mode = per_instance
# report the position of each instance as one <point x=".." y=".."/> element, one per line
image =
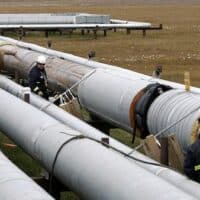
<point x="38" y="81"/>
<point x="192" y="161"/>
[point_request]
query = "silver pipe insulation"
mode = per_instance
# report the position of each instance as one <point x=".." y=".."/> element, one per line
<point x="117" y="89"/>
<point x="109" y="97"/>
<point x="171" y="106"/>
<point x="119" y="21"/>
<point x="74" y="26"/>
<point x="115" y="70"/>
<point x="115" y="104"/>
<point x="64" y="19"/>
<point x="57" y="69"/>
<point x="15" y="184"/>
<point x="171" y="176"/>
<point x="75" y="162"/>
<point x="53" y="18"/>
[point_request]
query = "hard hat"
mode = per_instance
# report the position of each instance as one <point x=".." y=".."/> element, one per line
<point x="41" y="60"/>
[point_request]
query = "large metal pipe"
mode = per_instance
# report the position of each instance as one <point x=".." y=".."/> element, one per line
<point x="75" y="161"/>
<point x="61" y="73"/>
<point x="171" y="176"/>
<point x="170" y="107"/>
<point x="53" y="18"/>
<point x="115" y="70"/>
<point x="118" y="97"/>
<point x="15" y="184"/>
<point x="138" y="25"/>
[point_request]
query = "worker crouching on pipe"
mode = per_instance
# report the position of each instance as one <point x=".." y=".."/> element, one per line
<point x="192" y="159"/>
<point x="37" y="78"/>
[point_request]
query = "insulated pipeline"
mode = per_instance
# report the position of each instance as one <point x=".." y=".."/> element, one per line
<point x="169" y="175"/>
<point x="90" y="169"/>
<point x="61" y="73"/>
<point x="169" y="108"/>
<point x="115" y="70"/>
<point x="15" y="184"/>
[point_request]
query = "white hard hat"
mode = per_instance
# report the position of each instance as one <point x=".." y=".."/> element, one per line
<point x="41" y="60"/>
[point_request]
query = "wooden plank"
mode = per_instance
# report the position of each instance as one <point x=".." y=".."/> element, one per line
<point x="176" y="157"/>
<point x="151" y="148"/>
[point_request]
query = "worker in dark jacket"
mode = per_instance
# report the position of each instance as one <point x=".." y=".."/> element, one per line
<point x="192" y="161"/>
<point x="38" y="78"/>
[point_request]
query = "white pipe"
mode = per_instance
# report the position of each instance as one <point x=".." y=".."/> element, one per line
<point x="15" y="184"/>
<point x="171" y="107"/>
<point x="74" y="26"/>
<point x="171" y="176"/>
<point x="90" y="169"/>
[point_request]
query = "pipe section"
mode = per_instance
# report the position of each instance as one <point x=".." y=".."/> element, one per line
<point x="171" y="176"/>
<point x="61" y="73"/>
<point x="74" y="26"/>
<point x="117" y="88"/>
<point x="77" y="165"/>
<point x="15" y="184"/>
<point x="116" y="71"/>
<point x="171" y="107"/>
<point x="109" y="97"/>
<point x="53" y="18"/>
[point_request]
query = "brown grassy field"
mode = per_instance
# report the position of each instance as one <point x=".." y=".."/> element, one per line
<point x="176" y="47"/>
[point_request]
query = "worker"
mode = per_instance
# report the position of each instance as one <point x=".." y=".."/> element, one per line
<point x="192" y="160"/>
<point x="38" y="79"/>
<point x="157" y="72"/>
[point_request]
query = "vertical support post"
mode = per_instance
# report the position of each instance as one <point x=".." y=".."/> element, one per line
<point x="26" y="94"/>
<point x="27" y="97"/>
<point x="144" y="32"/>
<point x="60" y="32"/>
<point x="95" y="33"/>
<point x="16" y="76"/>
<point x="82" y="32"/>
<point x="164" y="151"/>
<point x="88" y="31"/>
<point x="115" y="29"/>
<point x="46" y="34"/>
<point x="128" y="31"/>
<point x="105" y="33"/>
<point x="187" y="81"/>
<point x="21" y="32"/>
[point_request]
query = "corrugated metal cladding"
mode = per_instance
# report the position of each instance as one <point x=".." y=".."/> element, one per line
<point x="54" y="18"/>
<point x="171" y="107"/>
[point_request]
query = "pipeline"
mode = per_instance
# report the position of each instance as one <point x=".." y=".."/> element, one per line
<point x="15" y="184"/>
<point x="24" y="20"/>
<point x="171" y="106"/>
<point x="73" y="158"/>
<point x="171" y="176"/>
<point x="121" y="91"/>
<point x="53" y="18"/>
<point x="115" y="70"/>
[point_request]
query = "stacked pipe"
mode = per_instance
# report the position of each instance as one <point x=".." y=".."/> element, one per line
<point x="74" y="159"/>
<point x="14" y="184"/>
<point x="171" y="176"/>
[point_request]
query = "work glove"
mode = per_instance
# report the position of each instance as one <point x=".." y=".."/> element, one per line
<point x="40" y="93"/>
